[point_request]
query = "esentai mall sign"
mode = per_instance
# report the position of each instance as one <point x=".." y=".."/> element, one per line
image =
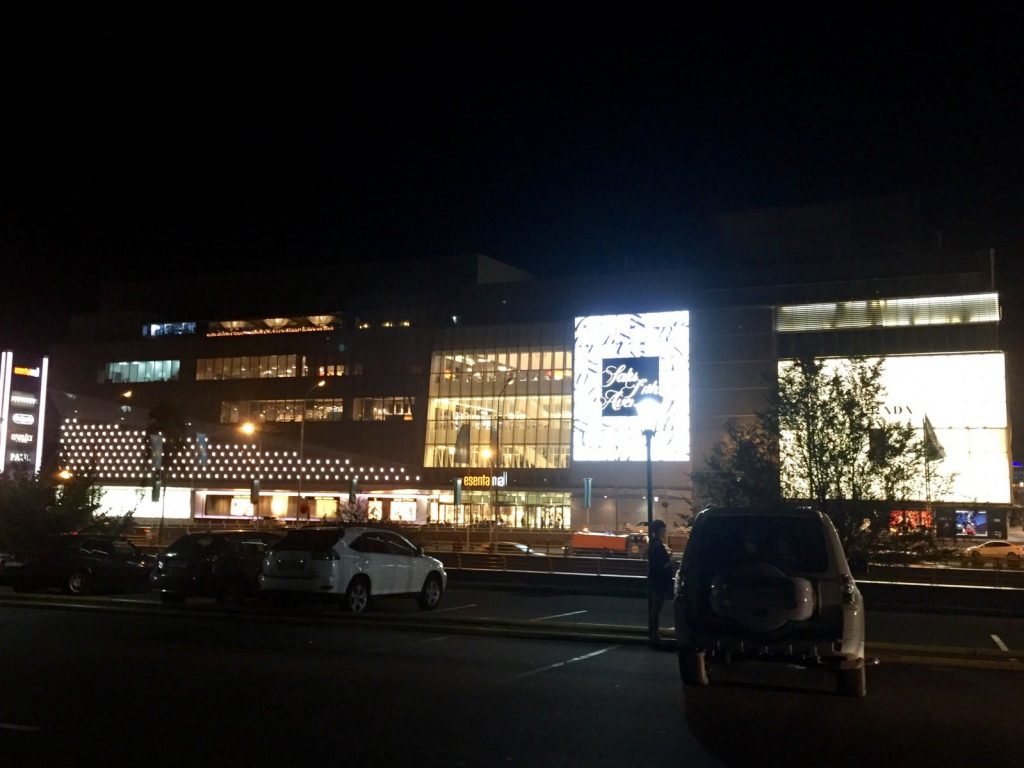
<point x="485" y="481"/>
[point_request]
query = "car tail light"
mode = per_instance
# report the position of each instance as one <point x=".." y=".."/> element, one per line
<point x="849" y="589"/>
<point x="324" y="554"/>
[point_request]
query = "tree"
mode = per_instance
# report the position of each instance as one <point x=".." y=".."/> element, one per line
<point x="743" y="469"/>
<point x="34" y="506"/>
<point x="824" y="441"/>
<point x="838" y="451"/>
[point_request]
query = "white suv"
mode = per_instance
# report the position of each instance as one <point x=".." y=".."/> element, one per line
<point x="772" y="585"/>
<point x="352" y="564"/>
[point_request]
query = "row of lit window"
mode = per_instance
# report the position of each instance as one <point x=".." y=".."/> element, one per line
<point x="319" y="409"/>
<point x="252" y="367"/>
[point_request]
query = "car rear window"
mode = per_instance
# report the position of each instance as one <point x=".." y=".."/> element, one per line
<point x="793" y="544"/>
<point x="308" y="540"/>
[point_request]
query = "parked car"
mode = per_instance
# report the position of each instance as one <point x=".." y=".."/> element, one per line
<point x="221" y="564"/>
<point x="353" y="565"/>
<point x="510" y="548"/>
<point x="772" y="585"/>
<point x="1005" y="552"/>
<point x="9" y="563"/>
<point x="77" y="563"/>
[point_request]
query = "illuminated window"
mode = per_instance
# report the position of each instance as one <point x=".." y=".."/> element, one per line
<point x="319" y="409"/>
<point x="140" y="371"/>
<point x="382" y="408"/>
<point x="168" y="329"/>
<point x="889" y="313"/>
<point x="254" y="367"/>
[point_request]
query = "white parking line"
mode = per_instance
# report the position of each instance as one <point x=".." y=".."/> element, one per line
<point x="549" y="667"/>
<point x="400" y="646"/>
<point x="999" y="643"/>
<point x="558" y="615"/>
<point x="13" y="727"/>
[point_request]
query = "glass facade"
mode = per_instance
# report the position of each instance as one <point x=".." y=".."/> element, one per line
<point x="254" y="367"/>
<point x="320" y="409"/>
<point x="140" y="371"/>
<point x="502" y="406"/>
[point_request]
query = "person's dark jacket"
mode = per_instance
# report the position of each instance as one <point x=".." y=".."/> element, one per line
<point x="659" y="567"/>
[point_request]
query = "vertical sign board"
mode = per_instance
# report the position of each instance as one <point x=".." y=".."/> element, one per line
<point x="617" y="360"/>
<point x="22" y="412"/>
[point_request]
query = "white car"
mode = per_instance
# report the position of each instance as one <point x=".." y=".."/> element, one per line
<point x="352" y="564"/>
<point x="995" y="551"/>
<point x="768" y="585"/>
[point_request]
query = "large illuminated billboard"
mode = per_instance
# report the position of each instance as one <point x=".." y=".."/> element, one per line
<point x="963" y="397"/>
<point x="617" y="358"/>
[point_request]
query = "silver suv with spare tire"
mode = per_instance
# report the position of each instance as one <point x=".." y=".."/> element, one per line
<point x="769" y="585"/>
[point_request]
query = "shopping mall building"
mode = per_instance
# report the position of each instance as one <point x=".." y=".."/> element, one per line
<point x="465" y="390"/>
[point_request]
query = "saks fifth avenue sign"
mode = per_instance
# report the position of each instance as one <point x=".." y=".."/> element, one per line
<point x="485" y="481"/>
<point x="626" y="380"/>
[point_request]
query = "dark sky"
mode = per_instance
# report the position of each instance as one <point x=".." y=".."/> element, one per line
<point x="559" y="137"/>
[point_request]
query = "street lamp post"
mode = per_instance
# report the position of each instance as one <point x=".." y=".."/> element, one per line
<point x="249" y="428"/>
<point x="497" y="450"/>
<point x="648" y="409"/>
<point x="302" y="441"/>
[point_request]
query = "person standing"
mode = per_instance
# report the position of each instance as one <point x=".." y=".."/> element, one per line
<point x="659" y="575"/>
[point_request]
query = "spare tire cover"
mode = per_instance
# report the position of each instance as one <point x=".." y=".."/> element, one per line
<point x="761" y="598"/>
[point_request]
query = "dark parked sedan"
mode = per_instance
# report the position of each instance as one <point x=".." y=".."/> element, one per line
<point x="80" y="562"/>
<point x="220" y="564"/>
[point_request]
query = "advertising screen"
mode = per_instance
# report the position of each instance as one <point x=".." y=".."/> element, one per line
<point x="617" y="359"/>
<point x="963" y="398"/>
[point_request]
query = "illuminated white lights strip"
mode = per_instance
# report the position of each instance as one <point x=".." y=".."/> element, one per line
<point x="41" y="405"/>
<point x="6" y="369"/>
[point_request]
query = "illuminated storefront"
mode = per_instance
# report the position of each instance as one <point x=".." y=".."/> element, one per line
<point x="963" y="398"/>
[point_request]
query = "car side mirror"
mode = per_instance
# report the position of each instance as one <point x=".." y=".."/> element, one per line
<point x="419" y="551"/>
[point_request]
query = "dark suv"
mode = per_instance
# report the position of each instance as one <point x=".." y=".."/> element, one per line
<point x="220" y="564"/>
<point x="771" y="585"/>
<point x="82" y="562"/>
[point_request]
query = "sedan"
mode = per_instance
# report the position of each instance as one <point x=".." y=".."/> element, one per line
<point x="995" y="551"/>
<point x="78" y="562"/>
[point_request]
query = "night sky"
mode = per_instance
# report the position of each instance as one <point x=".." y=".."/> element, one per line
<point x="562" y="138"/>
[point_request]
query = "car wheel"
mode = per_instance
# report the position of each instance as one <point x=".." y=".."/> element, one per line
<point x="75" y="583"/>
<point x="693" y="668"/>
<point x="430" y="596"/>
<point x="172" y="598"/>
<point x="853" y="682"/>
<point x="357" y="598"/>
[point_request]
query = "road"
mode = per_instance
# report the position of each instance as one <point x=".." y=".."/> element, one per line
<point x="86" y="687"/>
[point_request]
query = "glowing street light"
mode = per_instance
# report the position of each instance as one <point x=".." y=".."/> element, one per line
<point x="648" y="410"/>
<point x="249" y="429"/>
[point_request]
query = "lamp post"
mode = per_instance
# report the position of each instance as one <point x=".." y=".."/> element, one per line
<point x="302" y="440"/>
<point x="648" y="409"/>
<point x="249" y="429"/>
<point x="510" y="377"/>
